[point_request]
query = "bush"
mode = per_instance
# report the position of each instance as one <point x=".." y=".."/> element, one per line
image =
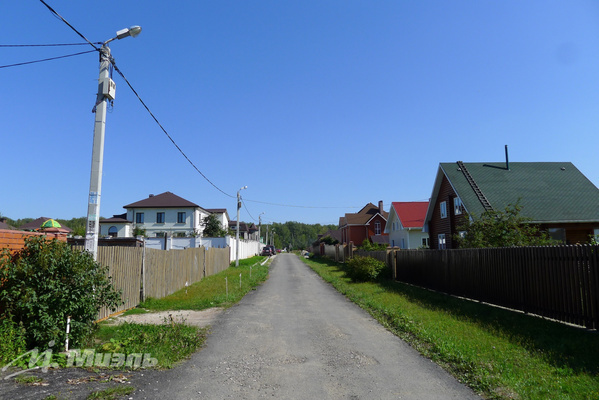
<point x="47" y="281"/>
<point x="362" y="269"/>
<point x="12" y="340"/>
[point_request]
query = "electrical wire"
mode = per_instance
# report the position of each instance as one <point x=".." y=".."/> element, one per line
<point x="163" y="129"/>
<point x="47" y="45"/>
<point x="69" y="25"/>
<point x="46" y="59"/>
<point x="165" y="132"/>
<point x="246" y="209"/>
<point x="298" y="206"/>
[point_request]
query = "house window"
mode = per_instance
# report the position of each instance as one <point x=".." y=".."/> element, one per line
<point x="139" y="218"/>
<point x="425" y="242"/>
<point x="457" y="206"/>
<point x="160" y="218"/>
<point x="443" y="207"/>
<point x="377" y="228"/>
<point x="181" y="218"/>
<point x="160" y="234"/>
<point x="113" y="231"/>
<point x="441" y="239"/>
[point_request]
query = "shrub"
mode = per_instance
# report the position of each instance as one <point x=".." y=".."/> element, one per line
<point x="12" y="340"/>
<point x="47" y="281"/>
<point x="362" y="269"/>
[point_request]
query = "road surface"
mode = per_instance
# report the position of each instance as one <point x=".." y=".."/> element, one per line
<point x="296" y="337"/>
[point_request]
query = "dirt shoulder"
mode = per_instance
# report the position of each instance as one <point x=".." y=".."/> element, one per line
<point x="79" y="383"/>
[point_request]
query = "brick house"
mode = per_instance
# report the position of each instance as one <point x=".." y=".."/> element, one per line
<point x="554" y="195"/>
<point x="368" y="223"/>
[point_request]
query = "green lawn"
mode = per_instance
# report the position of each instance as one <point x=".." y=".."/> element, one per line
<point x="499" y="353"/>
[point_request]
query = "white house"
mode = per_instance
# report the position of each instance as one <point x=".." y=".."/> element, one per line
<point x="405" y="225"/>
<point x="117" y="226"/>
<point x="221" y="215"/>
<point x="167" y="214"/>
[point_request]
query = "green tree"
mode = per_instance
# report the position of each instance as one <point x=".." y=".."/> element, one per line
<point x="506" y="228"/>
<point x="213" y="227"/>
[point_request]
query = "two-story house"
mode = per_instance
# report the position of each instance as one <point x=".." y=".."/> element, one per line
<point x="166" y="214"/>
<point x="367" y="224"/>
<point x="554" y="195"/>
<point x="405" y="225"/>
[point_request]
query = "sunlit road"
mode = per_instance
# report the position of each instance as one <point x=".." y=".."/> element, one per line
<point x="297" y="338"/>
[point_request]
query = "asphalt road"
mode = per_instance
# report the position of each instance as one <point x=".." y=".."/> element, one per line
<point x="296" y="337"/>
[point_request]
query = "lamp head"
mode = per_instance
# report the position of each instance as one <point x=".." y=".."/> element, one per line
<point x="132" y="31"/>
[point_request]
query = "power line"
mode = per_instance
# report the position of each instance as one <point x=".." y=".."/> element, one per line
<point x="70" y="26"/>
<point x="164" y="130"/>
<point x="47" y="45"/>
<point x="46" y="59"/>
<point x="298" y="206"/>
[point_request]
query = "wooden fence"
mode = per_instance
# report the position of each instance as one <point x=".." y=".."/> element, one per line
<point x="141" y="273"/>
<point x="560" y="282"/>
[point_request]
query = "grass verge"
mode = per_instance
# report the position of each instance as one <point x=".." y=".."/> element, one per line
<point x="499" y="353"/>
<point x="172" y="341"/>
<point x="212" y="290"/>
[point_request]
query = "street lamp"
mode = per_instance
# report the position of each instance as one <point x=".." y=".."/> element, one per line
<point x="106" y="91"/>
<point x="237" y="230"/>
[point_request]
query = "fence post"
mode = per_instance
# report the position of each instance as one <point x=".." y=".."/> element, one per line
<point x="143" y="272"/>
<point x="393" y="264"/>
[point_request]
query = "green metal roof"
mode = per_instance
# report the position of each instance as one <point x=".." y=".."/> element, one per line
<point x="548" y="191"/>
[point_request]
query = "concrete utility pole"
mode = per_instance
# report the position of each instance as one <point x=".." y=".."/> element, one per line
<point x="259" y="227"/>
<point x="106" y="91"/>
<point x="237" y="230"/>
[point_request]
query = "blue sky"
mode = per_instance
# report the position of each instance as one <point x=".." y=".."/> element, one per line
<point x="326" y="105"/>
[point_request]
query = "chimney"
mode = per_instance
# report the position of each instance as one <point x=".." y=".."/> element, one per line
<point x="381" y="207"/>
<point x="151" y="195"/>
<point x="507" y="160"/>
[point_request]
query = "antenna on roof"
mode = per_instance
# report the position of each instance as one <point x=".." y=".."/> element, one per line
<point x="507" y="159"/>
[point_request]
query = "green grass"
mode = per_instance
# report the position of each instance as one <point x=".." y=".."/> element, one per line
<point x="499" y="353"/>
<point x="211" y="291"/>
<point x="172" y="342"/>
<point x="111" y="393"/>
<point x="28" y="380"/>
<point x="168" y="343"/>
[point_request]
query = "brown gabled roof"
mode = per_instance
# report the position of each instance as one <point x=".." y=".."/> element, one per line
<point x="363" y="216"/>
<point x="163" y="200"/>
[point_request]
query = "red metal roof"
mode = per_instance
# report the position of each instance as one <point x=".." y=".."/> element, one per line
<point x="411" y="213"/>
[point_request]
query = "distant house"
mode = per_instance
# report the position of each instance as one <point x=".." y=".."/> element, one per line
<point x="405" y="225"/>
<point x="117" y="226"/>
<point x="5" y="225"/>
<point x="246" y="232"/>
<point x="554" y="195"/>
<point x="166" y="214"/>
<point x="368" y="223"/>
<point x="37" y="223"/>
<point x="222" y="215"/>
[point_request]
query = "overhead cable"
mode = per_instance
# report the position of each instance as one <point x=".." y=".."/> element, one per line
<point x="46" y="59"/>
<point x="47" y="45"/>
<point x="164" y="130"/>
<point x="70" y="26"/>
